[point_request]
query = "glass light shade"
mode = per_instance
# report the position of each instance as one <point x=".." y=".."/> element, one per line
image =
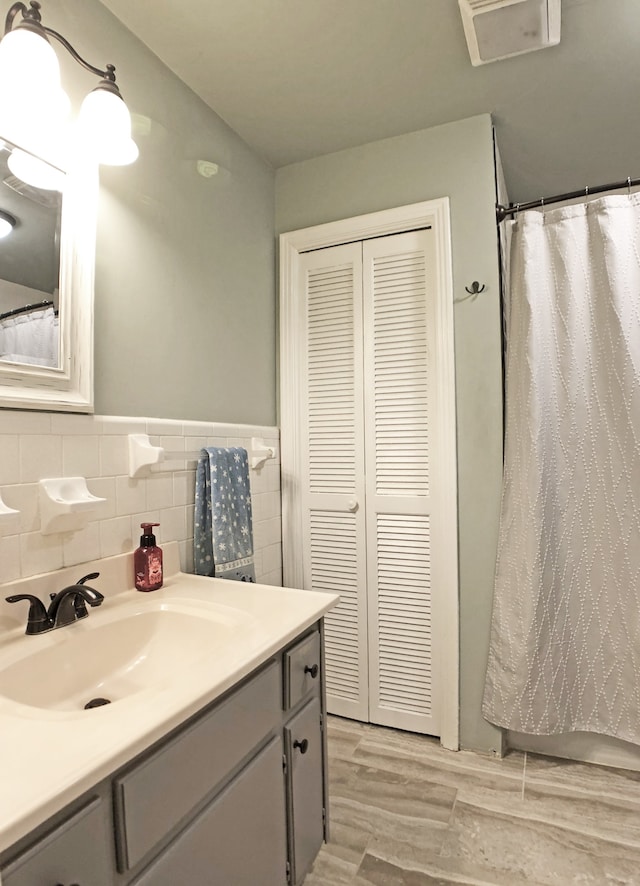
<point x="106" y="127"/>
<point x="29" y="57"/>
<point x="30" y="93"/>
<point x="7" y="223"/>
<point x="34" y="171"/>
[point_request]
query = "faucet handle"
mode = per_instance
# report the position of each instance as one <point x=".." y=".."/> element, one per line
<point x="38" y="620"/>
<point x="90" y="577"/>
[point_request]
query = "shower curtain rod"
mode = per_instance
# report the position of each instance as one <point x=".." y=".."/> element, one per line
<point x="503" y="212"/>
<point x="25" y="308"/>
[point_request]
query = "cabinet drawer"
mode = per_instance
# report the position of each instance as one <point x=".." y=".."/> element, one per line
<point x="152" y="798"/>
<point x="302" y="669"/>
<point x="303" y="737"/>
<point x="239" y="839"/>
<point x="77" y="851"/>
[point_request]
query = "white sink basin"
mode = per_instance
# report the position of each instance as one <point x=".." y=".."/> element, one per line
<point x="113" y="659"/>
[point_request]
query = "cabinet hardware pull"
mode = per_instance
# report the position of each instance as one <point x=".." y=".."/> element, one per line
<point x="313" y="670"/>
<point x="303" y="745"/>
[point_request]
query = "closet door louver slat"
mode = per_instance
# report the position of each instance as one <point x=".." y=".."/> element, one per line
<point x="331" y="379"/>
<point x="338" y="574"/>
<point x="398" y="281"/>
<point x="404" y="618"/>
<point x="333" y="469"/>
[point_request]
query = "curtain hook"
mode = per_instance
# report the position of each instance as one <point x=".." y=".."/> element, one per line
<point x="542" y="206"/>
<point x="629" y="187"/>
<point x="516" y="213"/>
<point x="586" y="191"/>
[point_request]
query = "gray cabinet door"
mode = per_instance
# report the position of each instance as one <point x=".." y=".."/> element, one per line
<point x="156" y="795"/>
<point x="77" y="851"/>
<point x="239" y="839"/>
<point x="304" y="753"/>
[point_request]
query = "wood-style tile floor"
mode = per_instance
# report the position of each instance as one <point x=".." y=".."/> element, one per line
<point x="405" y="812"/>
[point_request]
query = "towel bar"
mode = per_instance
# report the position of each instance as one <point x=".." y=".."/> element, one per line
<point x="143" y="455"/>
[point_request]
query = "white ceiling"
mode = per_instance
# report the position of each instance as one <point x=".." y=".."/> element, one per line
<point x="300" y="78"/>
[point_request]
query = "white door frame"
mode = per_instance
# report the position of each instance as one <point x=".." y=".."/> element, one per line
<point x="434" y="214"/>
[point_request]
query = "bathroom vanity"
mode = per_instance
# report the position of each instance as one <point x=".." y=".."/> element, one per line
<point x="225" y="785"/>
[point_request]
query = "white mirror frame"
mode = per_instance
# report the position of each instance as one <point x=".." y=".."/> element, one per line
<point x="69" y="386"/>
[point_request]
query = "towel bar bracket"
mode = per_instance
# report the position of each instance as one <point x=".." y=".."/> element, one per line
<point x="260" y="452"/>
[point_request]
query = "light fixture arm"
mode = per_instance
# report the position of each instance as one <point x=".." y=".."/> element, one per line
<point x="108" y="74"/>
<point x="32" y="14"/>
<point x="32" y="19"/>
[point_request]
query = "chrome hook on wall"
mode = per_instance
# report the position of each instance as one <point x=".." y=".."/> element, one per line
<point x="475" y="288"/>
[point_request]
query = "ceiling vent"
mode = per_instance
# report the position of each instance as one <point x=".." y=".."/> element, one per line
<point x="498" y="29"/>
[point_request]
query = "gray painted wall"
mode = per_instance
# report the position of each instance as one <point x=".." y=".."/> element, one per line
<point x="185" y="290"/>
<point x="454" y="160"/>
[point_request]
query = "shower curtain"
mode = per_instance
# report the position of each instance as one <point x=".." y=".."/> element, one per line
<point x="565" y="636"/>
<point x="30" y="337"/>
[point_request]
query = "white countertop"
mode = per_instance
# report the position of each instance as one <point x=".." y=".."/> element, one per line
<point x="50" y="757"/>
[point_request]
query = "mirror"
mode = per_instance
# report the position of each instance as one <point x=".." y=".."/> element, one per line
<point x="46" y="283"/>
<point x="29" y="262"/>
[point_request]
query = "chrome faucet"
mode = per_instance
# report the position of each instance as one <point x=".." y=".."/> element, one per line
<point x="67" y="606"/>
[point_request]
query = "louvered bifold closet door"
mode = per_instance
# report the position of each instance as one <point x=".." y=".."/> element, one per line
<point x="332" y="481"/>
<point x="399" y="355"/>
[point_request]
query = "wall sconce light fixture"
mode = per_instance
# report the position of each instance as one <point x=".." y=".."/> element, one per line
<point x="32" y="99"/>
<point x="7" y="223"/>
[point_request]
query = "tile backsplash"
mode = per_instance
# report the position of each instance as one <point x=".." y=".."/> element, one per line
<point x="36" y="446"/>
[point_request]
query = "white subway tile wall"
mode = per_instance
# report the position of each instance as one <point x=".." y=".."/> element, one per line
<point x="36" y="446"/>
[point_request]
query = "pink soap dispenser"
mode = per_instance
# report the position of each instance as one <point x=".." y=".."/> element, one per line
<point x="147" y="560"/>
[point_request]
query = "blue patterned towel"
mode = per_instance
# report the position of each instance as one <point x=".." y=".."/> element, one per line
<point x="223" y="531"/>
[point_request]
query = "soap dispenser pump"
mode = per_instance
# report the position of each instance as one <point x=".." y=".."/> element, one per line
<point x="147" y="560"/>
